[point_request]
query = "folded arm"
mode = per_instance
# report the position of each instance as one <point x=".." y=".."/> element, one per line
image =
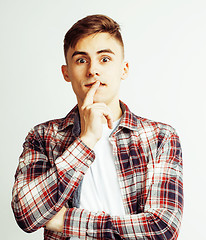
<point x="163" y="208"/>
<point x="41" y="188"/>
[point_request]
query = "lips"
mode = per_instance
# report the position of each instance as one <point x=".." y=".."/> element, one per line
<point x="90" y="84"/>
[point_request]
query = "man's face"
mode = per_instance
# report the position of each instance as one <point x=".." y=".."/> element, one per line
<point x="96" y="57"/>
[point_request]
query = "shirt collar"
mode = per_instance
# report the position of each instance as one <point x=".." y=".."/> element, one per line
<point x="128" y="120"/>
<point x="72" y="118"/>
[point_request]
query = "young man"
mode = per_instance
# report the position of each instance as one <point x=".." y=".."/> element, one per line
<point x="101" y="172"/>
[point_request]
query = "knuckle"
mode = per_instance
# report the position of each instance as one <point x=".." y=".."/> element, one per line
<point x="82" y="108"/>
<point x="86" y="108"/>
<point x="104" y="105"/>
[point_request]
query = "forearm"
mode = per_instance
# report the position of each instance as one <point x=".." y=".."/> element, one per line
<point x="37" y="201"/>
<point x="33" y="202"/>
<point x="83" y="224"/>
<point x="148" y="225"/>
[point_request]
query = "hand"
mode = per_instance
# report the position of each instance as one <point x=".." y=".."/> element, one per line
<point x="57" y="222"/>
<point x="92" y="114"/>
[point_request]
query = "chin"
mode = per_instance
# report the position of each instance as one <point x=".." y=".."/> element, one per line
<point x="103" y="100"/>
<point x="99" y="100"/>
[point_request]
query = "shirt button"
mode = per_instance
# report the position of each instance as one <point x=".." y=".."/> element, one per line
<point x="89" y="162"/>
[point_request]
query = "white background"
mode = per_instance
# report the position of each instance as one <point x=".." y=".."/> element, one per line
<point x="165" y="44"/>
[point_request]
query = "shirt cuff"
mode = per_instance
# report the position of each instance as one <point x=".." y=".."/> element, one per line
<point x="75" y="223"/>
<point x="77" y="157"/>
<point x="83" y="224"/>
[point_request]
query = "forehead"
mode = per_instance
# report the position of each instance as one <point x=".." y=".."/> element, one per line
<point x="94" y="43"/>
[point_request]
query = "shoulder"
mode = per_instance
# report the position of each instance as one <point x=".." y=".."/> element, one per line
<point x="147" y="130"/>
<point x="51" y="127"/>
<point x="156" y="133"/>
<point x="156" y="127"/>
<point x="144" y="125"/>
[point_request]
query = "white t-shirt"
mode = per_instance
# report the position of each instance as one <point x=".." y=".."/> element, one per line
<point x="100" y="187"/>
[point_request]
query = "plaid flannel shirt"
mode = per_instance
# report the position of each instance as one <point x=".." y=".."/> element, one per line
<point x="149" y="169"/>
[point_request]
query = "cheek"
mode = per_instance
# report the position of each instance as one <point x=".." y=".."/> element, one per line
<point x="76" y="71"/>
<point x="116" y="75"/>
<point x="117" y="70"/>
<point x="73" y="74"/>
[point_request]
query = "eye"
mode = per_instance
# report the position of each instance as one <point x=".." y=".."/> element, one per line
<point x="81" y="60"/>
<point x="105" y="59"/>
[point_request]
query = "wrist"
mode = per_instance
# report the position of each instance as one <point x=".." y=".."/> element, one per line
<point x="57" y="222"/>
<point x="90" y="141"/>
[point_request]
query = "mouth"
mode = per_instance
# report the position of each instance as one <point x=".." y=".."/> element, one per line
<point x="90" y="84"/>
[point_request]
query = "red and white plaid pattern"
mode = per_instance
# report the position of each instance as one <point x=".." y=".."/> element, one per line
<point x="149" y="168"/>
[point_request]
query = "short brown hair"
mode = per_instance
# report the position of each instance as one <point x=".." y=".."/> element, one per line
<point x="89" y="25"/>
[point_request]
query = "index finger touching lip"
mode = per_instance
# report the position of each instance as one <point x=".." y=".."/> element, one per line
<point x="90" y="94"/>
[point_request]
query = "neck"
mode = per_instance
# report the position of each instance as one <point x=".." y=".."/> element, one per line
<point x="116" y="112"/>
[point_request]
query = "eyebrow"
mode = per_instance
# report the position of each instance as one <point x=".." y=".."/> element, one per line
<point x="98" y="52"/>
<point x="79" y="53"/>
<point x="106" y="51"/>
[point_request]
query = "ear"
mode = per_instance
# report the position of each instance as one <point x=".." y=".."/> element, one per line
<point x="125" y="70"/>
<point x="65" y="73"/>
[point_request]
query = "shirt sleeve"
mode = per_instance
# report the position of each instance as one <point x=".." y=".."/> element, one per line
<point x="163" y="208"/>
<point x="41" y="188"/>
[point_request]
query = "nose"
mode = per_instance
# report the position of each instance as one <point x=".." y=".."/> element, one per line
<point x="92" y="70"/>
